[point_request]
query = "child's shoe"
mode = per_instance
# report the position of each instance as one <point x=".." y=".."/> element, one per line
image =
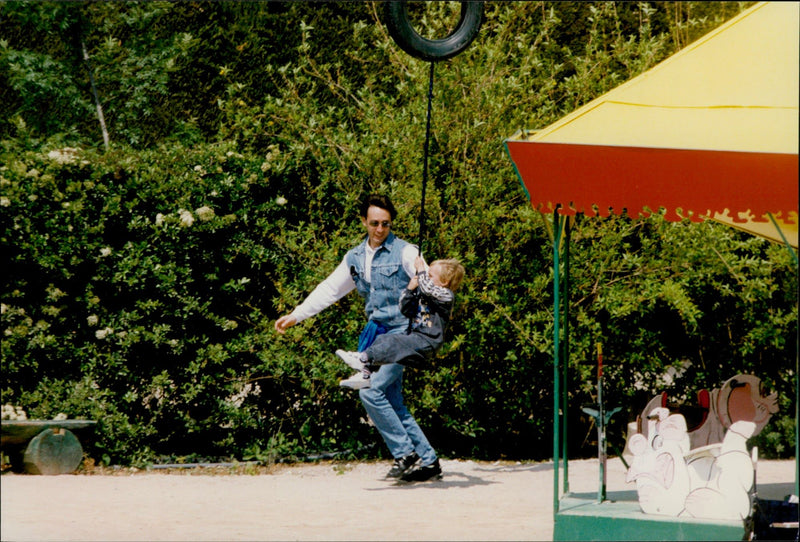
<point x="352" y="359"/>
<point x="359" y="380"/>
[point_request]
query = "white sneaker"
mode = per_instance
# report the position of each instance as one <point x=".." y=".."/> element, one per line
<point x="352" y="359"/>
<point x="357" y="381"/>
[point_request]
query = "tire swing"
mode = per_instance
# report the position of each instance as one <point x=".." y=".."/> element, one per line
<point x="409" y="40"/>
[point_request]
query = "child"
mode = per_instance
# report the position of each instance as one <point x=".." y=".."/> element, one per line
<point x="427" y="301"/>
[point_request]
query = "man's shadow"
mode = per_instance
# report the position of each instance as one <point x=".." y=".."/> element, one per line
<point x="455" y="477"/>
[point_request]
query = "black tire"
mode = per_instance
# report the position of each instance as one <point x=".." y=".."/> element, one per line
<point x="409" y="40"/>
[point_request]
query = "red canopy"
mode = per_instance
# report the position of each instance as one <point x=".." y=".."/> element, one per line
<point x="712" y="132"/>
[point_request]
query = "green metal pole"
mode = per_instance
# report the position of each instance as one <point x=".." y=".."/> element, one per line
<point x="601" y="426"/>
<point x="796" y="371"/>
<point x="792" y="253"/>
<point x="556" y="372"/>
<point x="565" y="356"/>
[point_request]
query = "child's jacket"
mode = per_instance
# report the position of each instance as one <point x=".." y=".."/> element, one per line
<point x="428" y="307"/>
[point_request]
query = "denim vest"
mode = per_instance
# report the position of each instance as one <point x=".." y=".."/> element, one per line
<point x="388" y="279"/>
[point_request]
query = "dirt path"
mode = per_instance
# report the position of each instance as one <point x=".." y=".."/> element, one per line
<point x="325" y="501"/>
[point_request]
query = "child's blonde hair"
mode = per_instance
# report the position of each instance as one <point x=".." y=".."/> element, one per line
<point x="450" y="271"/>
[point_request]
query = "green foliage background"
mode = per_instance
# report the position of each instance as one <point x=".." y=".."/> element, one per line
<point x="141" y="282"/>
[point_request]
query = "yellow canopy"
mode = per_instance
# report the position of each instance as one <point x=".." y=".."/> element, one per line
<point x="711" y="132"/>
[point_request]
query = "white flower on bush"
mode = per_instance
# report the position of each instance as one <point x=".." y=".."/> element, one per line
<point x="186" y="217"/>
<point x="204" y="213"/>
<point x="92" y="320"/>
<point x="674" y="373"/>
<point x="103" y="333"/>
<point x="60" y="416"/>
<point x="281" y="200"/>
<point x="159" y="219"/>
<point x="66" y="155"/>
<point x="4" y="201"/>
<point x="3" y="308"/>
<point x="199" y="169"/>
<point x="238" y="398"/>
<point x="11" y="412"/>
<point x="105" y="251"/>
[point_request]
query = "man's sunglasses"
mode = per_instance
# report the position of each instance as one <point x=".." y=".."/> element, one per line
<point x="376" y="223"/>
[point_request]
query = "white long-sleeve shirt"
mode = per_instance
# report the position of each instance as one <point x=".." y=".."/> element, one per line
<point x="340" y="283"/>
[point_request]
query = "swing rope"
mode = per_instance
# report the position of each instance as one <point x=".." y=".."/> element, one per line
<point x="425" y="163"/>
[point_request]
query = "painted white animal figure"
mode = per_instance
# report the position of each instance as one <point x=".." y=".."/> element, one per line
<point x="726" y="491"/>
<point x="710" y="482"/>
<point x="658" y="467"/>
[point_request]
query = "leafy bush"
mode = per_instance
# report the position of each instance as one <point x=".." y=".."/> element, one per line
<point x="142" y="283"/>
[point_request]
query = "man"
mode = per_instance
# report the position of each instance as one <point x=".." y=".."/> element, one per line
<point x="379" y="269"/>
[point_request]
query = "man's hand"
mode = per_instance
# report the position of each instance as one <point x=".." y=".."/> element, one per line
<point x="284" y="322"/>
<point x="419" y="264"/>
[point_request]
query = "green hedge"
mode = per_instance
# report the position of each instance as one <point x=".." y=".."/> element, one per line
<point x="141" y="284"/>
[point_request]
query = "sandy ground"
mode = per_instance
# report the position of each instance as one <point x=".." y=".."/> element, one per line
<point x="323" y="501"/>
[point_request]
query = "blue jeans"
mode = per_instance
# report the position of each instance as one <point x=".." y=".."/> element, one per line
<point x="383" y="401"/>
